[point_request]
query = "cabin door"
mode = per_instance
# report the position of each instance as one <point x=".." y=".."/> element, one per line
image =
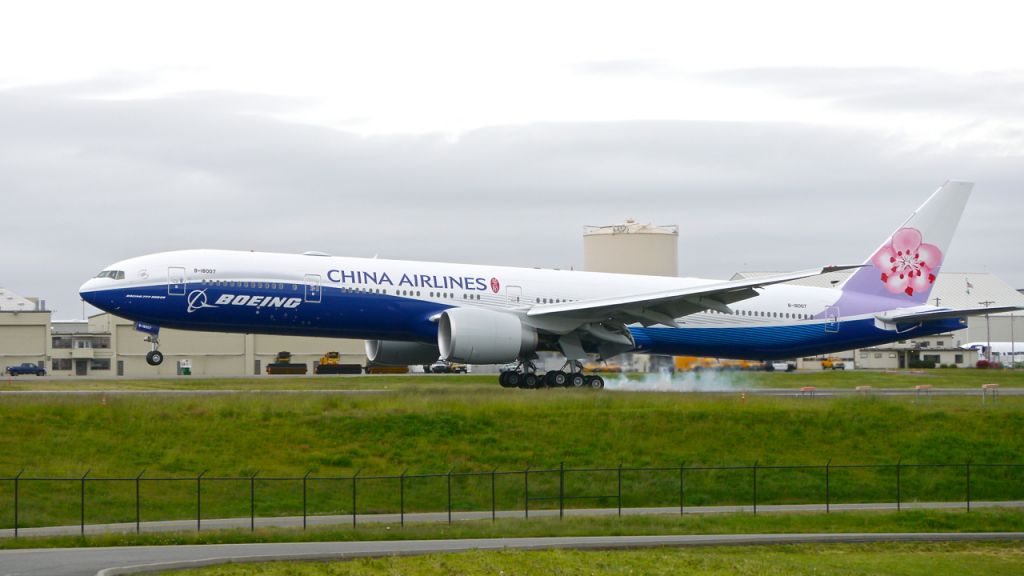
<point x="832" y="319"/>
<point x="313" y="288"/>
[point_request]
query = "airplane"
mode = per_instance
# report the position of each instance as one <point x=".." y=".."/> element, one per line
<point x="412" y="313"/>
<point x="1000" y="349"/>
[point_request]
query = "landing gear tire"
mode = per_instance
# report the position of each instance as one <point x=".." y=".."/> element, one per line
<point x="503" y="380"/>
<point x="513" y="379"/>
<point x="155" y="358"/>
<point x="595" y="382"/>
<point x="530" y="381"/>
<point x="577" y="380"/>
<point x="556" y="379"/>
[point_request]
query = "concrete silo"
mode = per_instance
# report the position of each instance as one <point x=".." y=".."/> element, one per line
<point x="631" y="248"/>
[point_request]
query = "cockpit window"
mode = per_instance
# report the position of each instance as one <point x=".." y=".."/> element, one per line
<point x="112" y="274"/>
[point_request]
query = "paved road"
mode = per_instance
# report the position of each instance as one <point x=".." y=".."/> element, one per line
<point x="296" y="521"/>
<point x="135" y="560"/>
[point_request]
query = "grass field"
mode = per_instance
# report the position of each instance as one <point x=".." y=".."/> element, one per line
<point x="437" y="424"/>
<point x="938" y="378"/>
<point x="847" y="559"/>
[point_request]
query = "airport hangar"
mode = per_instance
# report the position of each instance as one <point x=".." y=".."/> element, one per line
<point x="106" y="345"/>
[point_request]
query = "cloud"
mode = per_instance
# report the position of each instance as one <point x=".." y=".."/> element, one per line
<point x="992" y="93"/>
<point x="89" y="181"/>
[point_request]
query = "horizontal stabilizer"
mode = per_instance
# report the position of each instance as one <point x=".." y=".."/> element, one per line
<point x="898" y="318"/>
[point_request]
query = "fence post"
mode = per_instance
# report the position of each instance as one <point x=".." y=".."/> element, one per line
<point x="828" y="495"/>
<point x="354" y="496"/>
<point x="619" y="496"/>
<point x="199" y="501"/>
<point x="252" y="501"/>
<point x="494" y="504"/>
<point x="138" y="502"/>
<point x="450" y="496"/>
<point x="82" y="502"/>
<point x="968" y="485"/>
<point x="305" y="479"/>
<point x="561" y="491"/>
<point x="526" y="491"/>
<point x="401" y="497"/>
<point x="17" y="480"/>
<point x="682" y="493"/>
<point x="899" y="497"/>
<point x="755" y="487"/>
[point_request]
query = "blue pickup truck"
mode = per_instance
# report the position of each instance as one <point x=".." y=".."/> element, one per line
<point x="26" y="368"/>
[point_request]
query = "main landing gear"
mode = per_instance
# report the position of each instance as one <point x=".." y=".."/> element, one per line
<point x="154" y="357"/>
<point x="525" y="375"/>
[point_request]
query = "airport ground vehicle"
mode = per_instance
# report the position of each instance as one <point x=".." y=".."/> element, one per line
<point x="282" y="364"/>
<point x="696" y="364"/>
<point x="330" y="363"/>
<point x="832" y="364"/>
<point x="442" y="367"/>
<point x="26" y="368"/>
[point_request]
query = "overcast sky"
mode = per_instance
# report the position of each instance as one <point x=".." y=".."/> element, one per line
<point x="777" y="135"/>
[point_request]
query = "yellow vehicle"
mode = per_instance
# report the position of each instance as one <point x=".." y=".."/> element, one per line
<point x="330" y="363"/>
<point x="832" y="364"/>
<point x="696" y="364"/>
<point x="594" y="368"/>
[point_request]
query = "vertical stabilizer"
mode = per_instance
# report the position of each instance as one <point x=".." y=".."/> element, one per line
<point x="906" y="265"/>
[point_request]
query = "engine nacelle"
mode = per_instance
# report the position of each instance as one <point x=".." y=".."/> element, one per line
<point x="395" y="353"/>
<point x="479" y="336"/>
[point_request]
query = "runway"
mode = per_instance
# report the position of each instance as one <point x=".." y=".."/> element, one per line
<point x="140" y="559"/>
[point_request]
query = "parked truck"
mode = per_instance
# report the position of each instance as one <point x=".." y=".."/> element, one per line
<point x="26" y="368"/>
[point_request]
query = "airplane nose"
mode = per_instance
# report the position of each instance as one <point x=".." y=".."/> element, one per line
<point x="90" y="290"/>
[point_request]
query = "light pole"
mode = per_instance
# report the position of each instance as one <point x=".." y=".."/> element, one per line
<point x="988" y="331"/>
<point x="1013" y="345"/>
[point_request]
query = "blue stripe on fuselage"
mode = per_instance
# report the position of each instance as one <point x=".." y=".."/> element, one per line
<point x="775" y="342"/>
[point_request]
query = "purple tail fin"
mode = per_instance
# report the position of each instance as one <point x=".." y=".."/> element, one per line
<point x="905" y="266"/>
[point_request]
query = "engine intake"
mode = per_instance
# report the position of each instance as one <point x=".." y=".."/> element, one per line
<point x="396" y="353"/>
<point x="479" y="336"/>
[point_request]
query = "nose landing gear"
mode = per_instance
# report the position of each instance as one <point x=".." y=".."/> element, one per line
<point x="154" y="357"/>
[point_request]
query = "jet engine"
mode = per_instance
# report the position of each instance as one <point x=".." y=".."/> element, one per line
<point x="479" y="336"/>
<point x="396" y="353"/>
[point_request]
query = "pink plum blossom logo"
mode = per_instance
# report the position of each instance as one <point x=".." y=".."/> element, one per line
<point x="907" y="263"/>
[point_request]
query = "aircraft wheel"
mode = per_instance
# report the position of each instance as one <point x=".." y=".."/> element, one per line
<point x="561" y="379"/>
<point x="503" y="380"/>
<point x="577" y="380"/>
<point x="155" y="358"/>
<point x="530" y="381"/>
<point x="513" y="379"/>
<point x="595" y="382"/>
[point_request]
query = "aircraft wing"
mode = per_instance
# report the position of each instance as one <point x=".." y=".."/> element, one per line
<point x="665" y="306"/>
<point x="909" y="317"/>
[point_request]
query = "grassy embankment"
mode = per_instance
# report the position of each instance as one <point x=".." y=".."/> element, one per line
<point x="464" y="426"/>
<point x="895" y="559"/>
